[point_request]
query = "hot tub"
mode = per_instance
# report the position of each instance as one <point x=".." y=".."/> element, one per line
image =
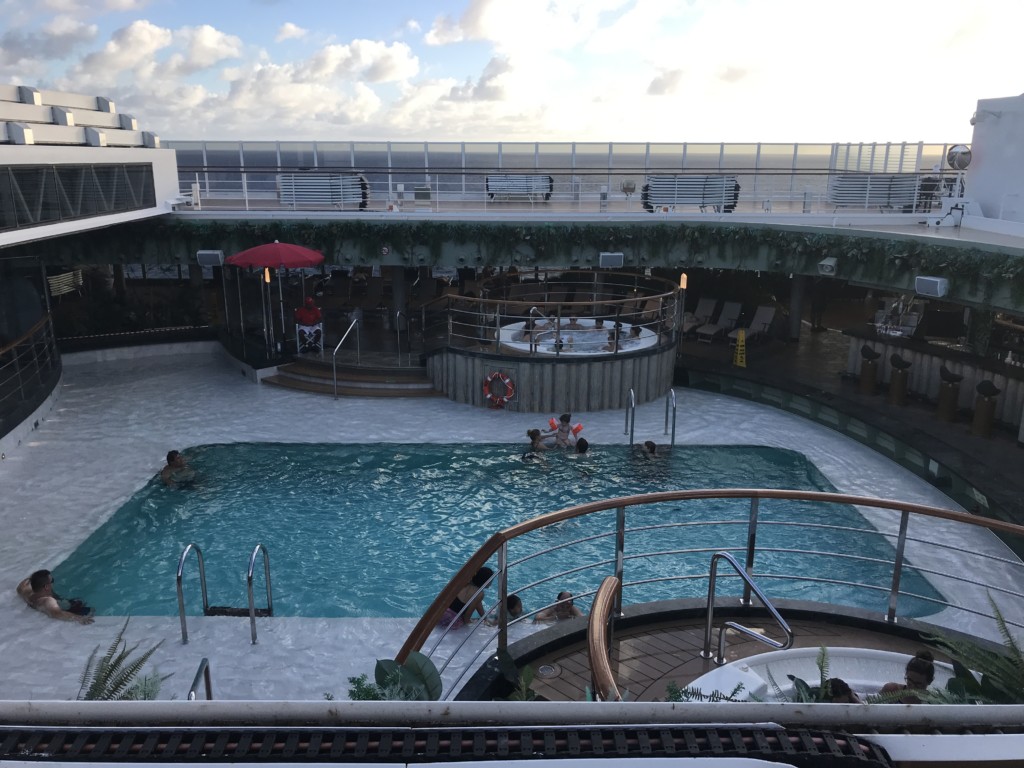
<point x="576" y="342"/>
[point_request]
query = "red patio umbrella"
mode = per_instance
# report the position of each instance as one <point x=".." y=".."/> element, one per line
<point x="275" y="255"/>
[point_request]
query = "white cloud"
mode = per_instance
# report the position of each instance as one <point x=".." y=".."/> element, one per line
<point x="289" y="31"/>
<point x="130" y="49"/>
<point x="204" y="47"/>
<point x="371" y="60"/>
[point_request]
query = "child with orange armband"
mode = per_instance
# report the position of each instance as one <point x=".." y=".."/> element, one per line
<point x="562" y="431"/>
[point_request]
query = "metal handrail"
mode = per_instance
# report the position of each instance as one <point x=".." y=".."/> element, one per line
<point x="181" y="594"/>
<point x="670" y="404"/>
<point x="500" y="540"/>
<point x="749" y="582"/>
<point x="630" y="425"/>
<point x="248" y="583"/>
<point x="398" y="336"/>
<point x="334" y="355"/>
<point x="202" y="673"/>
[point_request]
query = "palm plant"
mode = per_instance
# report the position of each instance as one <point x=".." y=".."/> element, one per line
<point x="116" y="675"/>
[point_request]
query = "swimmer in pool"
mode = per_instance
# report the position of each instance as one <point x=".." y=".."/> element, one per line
<point x="176" y="472"/>
<point x="37" y="591"/>
<point x="536" y="446"/>
<point x="562" y="433"/>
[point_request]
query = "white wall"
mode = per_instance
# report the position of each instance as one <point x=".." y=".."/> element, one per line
<point x="995" y="178"/>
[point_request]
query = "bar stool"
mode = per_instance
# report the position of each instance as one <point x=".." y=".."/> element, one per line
<point x="949" y="394"/>
<point x="984" y="408"/>
<point x="898" y="381"/>
<point x="868" y="370"/>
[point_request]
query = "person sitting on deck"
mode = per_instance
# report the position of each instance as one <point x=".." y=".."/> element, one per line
<point x="37" y="592"/>
<point x="308" y="319"/>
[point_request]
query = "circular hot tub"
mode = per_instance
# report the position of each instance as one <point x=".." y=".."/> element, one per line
<point x="583" y="339"/>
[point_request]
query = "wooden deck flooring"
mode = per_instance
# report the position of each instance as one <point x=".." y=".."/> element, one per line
<point x="645" y="659"/>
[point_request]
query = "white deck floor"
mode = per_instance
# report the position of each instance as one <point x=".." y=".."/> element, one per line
<point x="113" y="421"/>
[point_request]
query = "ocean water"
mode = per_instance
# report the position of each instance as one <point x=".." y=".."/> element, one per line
<point x="376" y="530"/>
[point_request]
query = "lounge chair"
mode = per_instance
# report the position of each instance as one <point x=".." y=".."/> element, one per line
<point x="700" y="316"/>
<point x="726" y="322"/>
<point x="758" y="326"/>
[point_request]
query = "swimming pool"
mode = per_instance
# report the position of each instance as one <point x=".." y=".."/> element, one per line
<point x="378" y="529"/>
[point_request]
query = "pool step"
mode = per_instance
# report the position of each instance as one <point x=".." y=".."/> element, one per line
<point x="318" y="377"/>
<point x="226" y="610"/>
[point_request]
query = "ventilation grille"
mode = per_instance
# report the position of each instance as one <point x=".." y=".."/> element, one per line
<point x="320" y="745"/>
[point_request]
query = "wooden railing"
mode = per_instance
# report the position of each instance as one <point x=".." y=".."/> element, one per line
<point x="599" y="640"/>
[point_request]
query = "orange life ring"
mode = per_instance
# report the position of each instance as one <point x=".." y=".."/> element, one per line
<point x="493" y="397"/>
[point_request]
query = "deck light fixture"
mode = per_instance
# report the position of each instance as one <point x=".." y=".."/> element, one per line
<point x="827" y="266"/>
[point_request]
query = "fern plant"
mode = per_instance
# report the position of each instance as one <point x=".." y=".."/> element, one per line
<point x="415" y="680"/>
<point x="116" y="676"/>
<point x="803" y="693"/>
<point x="1001" y="674"/>
<point x="674" y="693"/>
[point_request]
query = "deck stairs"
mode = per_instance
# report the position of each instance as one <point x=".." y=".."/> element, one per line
<point x="375" y="376"/>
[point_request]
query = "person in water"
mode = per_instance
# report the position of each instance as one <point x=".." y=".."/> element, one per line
<point x="176" y="472"/>
<point x="469" y="600"/>
<point x="918" y="676"/>
<point x="563" y="609"/>
<point x="37" y="592"/>
<point x="562" y="432"/>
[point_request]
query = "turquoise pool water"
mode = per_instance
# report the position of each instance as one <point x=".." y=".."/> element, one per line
<point x="377" y="530"/>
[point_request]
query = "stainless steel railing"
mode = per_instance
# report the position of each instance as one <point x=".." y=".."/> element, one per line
<point x="959" y="597"/>
<point x="248" y="587"/>
<point x="748" y="585"/>
<point x="181" y="594"/>
<point x="334" y="354"/>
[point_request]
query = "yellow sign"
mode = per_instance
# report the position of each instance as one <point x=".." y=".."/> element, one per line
<point x="739" y="357"/>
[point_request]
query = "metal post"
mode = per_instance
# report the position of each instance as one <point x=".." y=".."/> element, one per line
<point x="709" y="621"/>
<point x="897" y="569"/>
<point x="241" y="311"/>
<point x="503" y="596"/>
<point x="620" y="554"/>
<point x="751" y="547"/>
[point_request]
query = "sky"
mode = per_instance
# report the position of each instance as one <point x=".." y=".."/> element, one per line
<point x="525" y="70"/>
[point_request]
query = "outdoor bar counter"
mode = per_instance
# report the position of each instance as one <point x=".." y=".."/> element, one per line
<point x="927" y="358"/>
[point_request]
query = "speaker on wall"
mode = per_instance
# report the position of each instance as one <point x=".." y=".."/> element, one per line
<point x="611" y="259"/>
<point x="936" y="287"/>
<point x="210" y="258"/>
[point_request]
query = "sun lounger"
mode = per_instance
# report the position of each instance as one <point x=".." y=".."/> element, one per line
<point x="759" y="324"/>
<point x="700" y="316"/>
<point x="726" y="322"/>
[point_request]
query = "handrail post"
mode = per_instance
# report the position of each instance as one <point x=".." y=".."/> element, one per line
<point x="897" y="567"/>
<point x="751" y="547"/>
<point x="670" y="404"/>
<point x="181" y="594"/>
<point x="620" y="554"/>
<point x="705" y="652"/>
<point x="503" y="596"/>
<point x="248" y="581"/>
<point x="630" y="416"/>
<point x="334" y="355"/>
<point x="398" y="335"/>
<point x="204" y="673"/>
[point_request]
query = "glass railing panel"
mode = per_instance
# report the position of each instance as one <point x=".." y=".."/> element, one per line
<point x="705" y="157"/>
<point x="334" y="154"/>
<point x="259" y="154"/>
<point x="518" y="155"/>
<point x="297" y="154"/>
<point x="223" y="154"/>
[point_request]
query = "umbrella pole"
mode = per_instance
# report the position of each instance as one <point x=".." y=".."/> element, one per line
<point x="241" y="313"/>
<point x="280" y="299"/>
<point x="268" y="317"/>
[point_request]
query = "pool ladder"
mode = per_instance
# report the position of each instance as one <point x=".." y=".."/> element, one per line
<point x="670" y="410"/>
<point x="217" y="610"/>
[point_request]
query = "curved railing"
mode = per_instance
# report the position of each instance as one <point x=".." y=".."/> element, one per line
<point x="482" y="319"/>
<point x="600" y="628"/>
<point x="964" y="586"/>
<point x="29" y="370"/>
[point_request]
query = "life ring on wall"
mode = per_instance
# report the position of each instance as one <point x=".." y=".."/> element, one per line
<point x="494" y="398"/>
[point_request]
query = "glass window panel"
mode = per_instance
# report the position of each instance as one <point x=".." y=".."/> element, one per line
<point x="482" y="158"/>
<point x="444" y="161"/>
<point x="334" y="154"/>
<point x="740" y="157"/>
<point x="666" y="158"/>
<point x="702" y="157"/>
<point x="371" y="159"/>
<point x="7" y="218"/>
<point x="39" y="188"/>
<point x="297" y="154"/>
<point x="223" y="154"/>
<point x="407" y="164"/>
<point x="518" y="156"/>
<point x="259" y="154"/>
